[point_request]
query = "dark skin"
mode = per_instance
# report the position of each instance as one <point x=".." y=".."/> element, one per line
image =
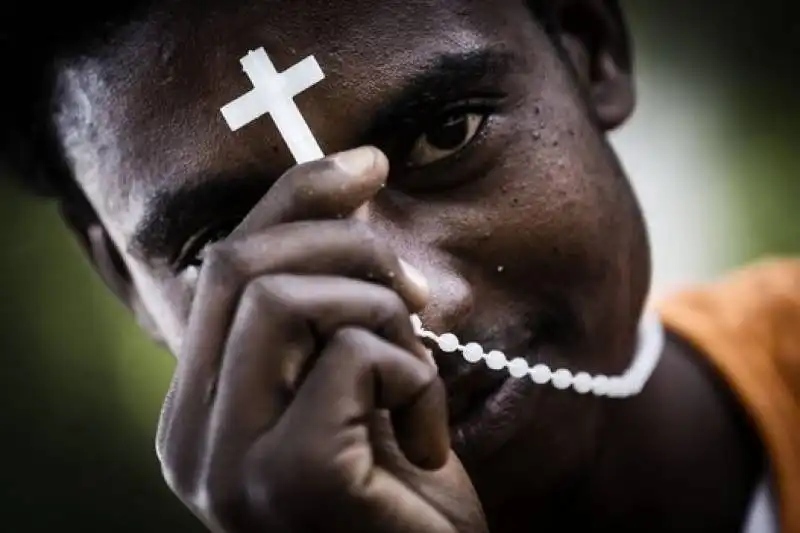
<point x="284" y="296"/>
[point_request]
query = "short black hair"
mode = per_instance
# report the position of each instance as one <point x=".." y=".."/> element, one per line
<point x="31" y="42"/>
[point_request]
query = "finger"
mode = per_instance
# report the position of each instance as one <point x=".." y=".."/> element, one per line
<point x="277" y="326"/>
<point x="344" y="247"/>
<point x="359" y="373"/>
<point x="333" y="187"/>
<point x="341" y="247"/>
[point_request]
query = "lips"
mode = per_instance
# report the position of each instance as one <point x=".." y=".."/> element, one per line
<point x="475" y="399"/>
<point x="468" y="392"/>
<point x="483" y="404"/>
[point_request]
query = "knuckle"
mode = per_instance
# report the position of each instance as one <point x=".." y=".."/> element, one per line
<point x="263" y="293"/>
<point x="267" y="294"/>
<point x="176" y="476"/>
<point x="389" y="307"/>
<point x="386" y="260"/>
<point x="394" y="306"/>
<point x="348" y="337"/>
<point x="354" y="348"/>
<point x="220" y="262"/>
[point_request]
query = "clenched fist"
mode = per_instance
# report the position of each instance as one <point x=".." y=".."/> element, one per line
<point x="302" y="400"/>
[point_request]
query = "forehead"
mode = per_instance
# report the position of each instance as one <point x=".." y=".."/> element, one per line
<point x="143" y="115"/>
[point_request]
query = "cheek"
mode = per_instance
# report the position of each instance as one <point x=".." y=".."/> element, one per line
<point x="552" y="220"/>
<point x="547" y="208"/>
<point x="166" y="300"/>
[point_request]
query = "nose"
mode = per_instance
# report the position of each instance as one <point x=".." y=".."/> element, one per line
<point x="449" y="295"/>
<point x="449" y="306"/>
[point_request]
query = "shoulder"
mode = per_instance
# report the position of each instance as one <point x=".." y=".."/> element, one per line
<point x="747" y="325"/>
<point x="759" y="303"/>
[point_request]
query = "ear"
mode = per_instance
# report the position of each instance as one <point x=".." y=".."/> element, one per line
<point x="594" y="36"/>
<point x="104" y="256"/>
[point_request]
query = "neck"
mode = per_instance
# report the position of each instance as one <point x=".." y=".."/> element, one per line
<point x="681" y="456"/>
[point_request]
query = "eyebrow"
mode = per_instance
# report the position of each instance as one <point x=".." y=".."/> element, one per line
<point x="445" y="78"/>
<point x="174" y="215"/>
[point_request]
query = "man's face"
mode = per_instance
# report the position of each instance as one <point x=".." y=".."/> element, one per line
<point x="503" y="190"/>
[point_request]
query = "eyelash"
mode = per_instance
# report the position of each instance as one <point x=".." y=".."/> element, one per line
<point x="189" y="255"/>
<point x="411" y="129"/>
<point x="415" y="178"/>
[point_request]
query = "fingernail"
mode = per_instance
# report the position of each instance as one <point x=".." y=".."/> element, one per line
<point x="356" y="161"/>
<point x="362" y="213"/>
<point x="415" y="276"/>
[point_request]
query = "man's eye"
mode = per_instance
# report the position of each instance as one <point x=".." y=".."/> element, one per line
<point x="446" y="137"/>
<point x="193" y="251"/>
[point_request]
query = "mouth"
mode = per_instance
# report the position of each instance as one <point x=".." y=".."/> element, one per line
<point x="484" y="404"/>
<point x="467" y="394"/>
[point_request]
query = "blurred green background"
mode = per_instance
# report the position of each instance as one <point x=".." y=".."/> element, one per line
<point x="712" y="152"/>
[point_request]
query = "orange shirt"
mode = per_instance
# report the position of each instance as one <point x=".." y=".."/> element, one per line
<point x="748" y="325"/>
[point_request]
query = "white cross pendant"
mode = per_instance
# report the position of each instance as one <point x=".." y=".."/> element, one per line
<point x="273" y="93"/>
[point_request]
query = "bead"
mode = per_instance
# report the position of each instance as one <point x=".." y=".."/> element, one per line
<point x="582" y="383"/>
<point x="562" y="379"/>
<point x="518" y="367"/>
<point x="630" y="383"/>
<point x="448" y="343"/>
<point x="540" y="374"/>
<point x="496" y="360"/>
<point x="472" y="352"/>
<point x="429" y="335"/>
<point x="616" y="387"/>
<point x="600" y="385"/>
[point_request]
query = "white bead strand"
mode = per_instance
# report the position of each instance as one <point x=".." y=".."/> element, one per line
<point x="650" y="344"/>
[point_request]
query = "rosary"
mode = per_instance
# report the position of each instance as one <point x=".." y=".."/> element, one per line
<point x="273" y="94"/>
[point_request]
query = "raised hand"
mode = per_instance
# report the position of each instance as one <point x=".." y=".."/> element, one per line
<point x="302" y="400"/>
